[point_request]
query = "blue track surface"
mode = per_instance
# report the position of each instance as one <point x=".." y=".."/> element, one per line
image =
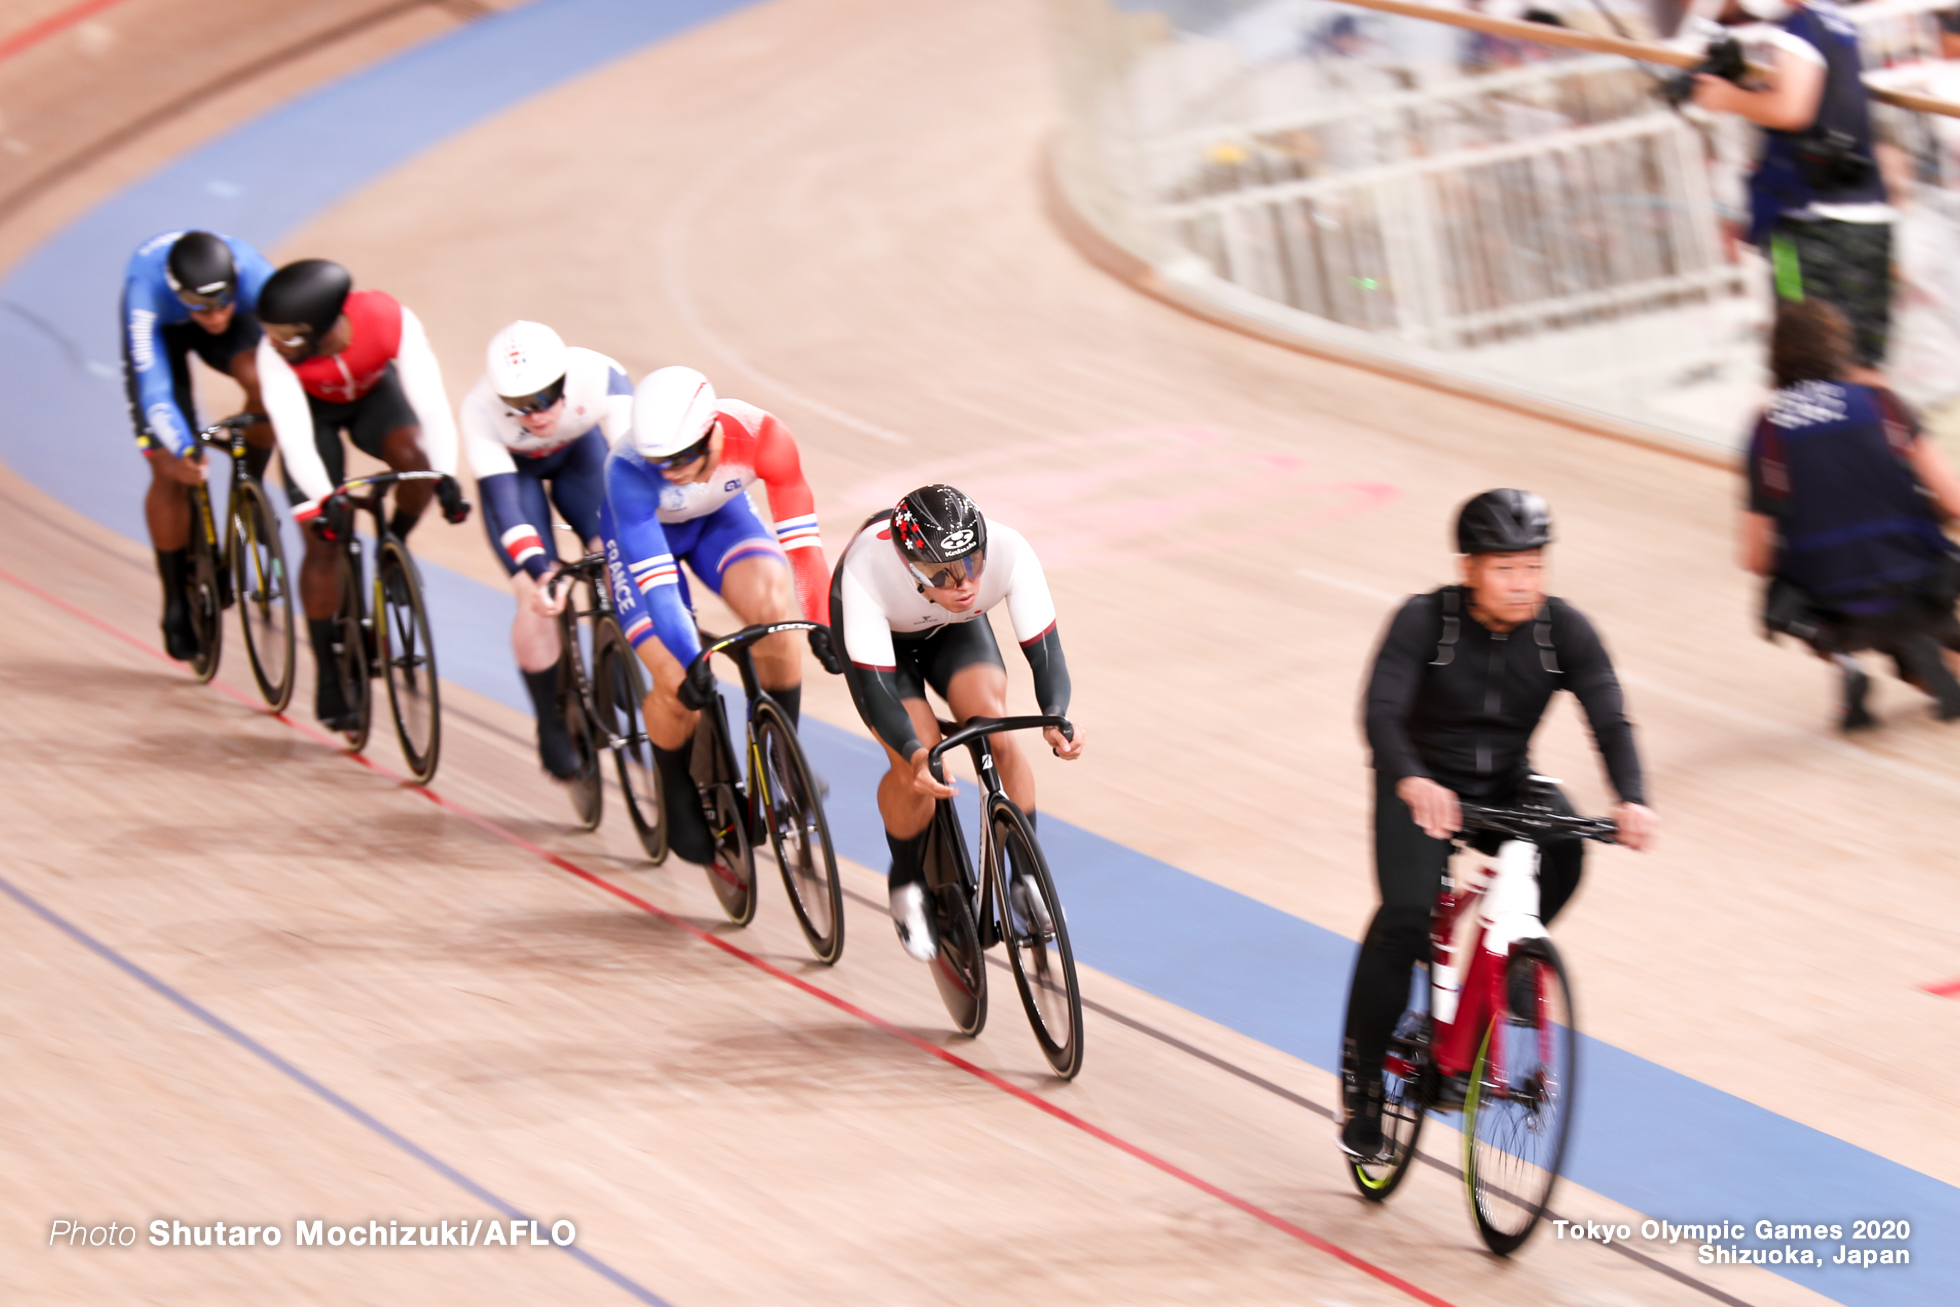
<point x="1647" y="1137"/>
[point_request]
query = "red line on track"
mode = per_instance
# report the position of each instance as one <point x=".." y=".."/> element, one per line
<point x="1944" y="988"/>
<point x="571" y="868"/>
<point x="35" y="33"/>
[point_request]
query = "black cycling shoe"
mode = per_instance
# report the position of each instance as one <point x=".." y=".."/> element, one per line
<point x="179" y="637"/>
<point x="1361" y="1134"/>
<point x="557" y="752"/>
<point x="330" y="707"/>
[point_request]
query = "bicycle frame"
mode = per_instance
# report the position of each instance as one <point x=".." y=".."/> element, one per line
<point x="591" y="572"/>
<point x="1478" y="926"/>
<point x="976" y="735"/>
<point x="736" y="648"/>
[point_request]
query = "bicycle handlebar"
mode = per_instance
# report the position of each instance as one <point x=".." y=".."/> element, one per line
<point x="977" y="727"/>
<point x="236" y="422"/>
<point x="743" y="638"/>
<point x="381" y="480"/>
<point x="1538" y="825"/>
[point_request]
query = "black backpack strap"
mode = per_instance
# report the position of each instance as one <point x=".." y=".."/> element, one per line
<point x="1449" y="598"/>
<point x="1541" y="633"/>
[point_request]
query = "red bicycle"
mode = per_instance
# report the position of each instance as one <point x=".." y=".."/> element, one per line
<point x="1497" y="1039"/>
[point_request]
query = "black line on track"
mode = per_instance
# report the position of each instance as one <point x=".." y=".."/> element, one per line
<point x="1300" y="1100"/>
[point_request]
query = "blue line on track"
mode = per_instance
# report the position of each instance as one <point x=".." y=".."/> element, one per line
<point x="1647" y="1137"/>
<point x="307" y="1082"/>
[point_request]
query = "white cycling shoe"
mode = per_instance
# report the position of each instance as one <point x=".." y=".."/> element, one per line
<point x="914" y="925"/>
<point x="1029" y="909"/>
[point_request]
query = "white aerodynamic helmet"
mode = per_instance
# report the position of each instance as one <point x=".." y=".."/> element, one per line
<point x="526" y="363"/>
<point x="673" y="409"/>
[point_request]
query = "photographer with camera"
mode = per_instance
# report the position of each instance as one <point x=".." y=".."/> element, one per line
<point x="1818" y="207"/>
<point x="1843" y="518"/>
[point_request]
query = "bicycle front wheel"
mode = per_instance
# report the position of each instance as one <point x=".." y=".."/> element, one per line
<point x="584" y="788"/>
<point x="798" y="833"/>
<point x="732" y="873"/>
<point x="619" y="686"/>
<point x="1518" y="1109"/>
<point x="353" y="650"/>
<point x="408" y="660"/>
<point x="202" y="592"/>
<point x="265" y="596"/>
<point x="1037" y="940"/>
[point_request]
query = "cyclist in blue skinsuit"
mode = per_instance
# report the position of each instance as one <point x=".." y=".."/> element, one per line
<point x="676" y="492"/>
<point x="186" y="292"/>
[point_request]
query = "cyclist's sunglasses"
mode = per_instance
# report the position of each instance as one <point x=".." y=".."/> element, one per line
<point x="945" y="576"/>
<point x="693" y="453"/>
<point x="200" y="303"/>
<point x="535" y="402"/>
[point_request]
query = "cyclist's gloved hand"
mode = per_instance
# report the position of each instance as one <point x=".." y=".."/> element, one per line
<point x="455" y="508"/>
<point x="698" y="688"/>
<point x="825" y="651"/>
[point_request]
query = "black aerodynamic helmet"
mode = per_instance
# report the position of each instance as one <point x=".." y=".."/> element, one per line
<point x="1503" y="522"/>
<point x="940" y="535"/>
<point x="201" y="271"/>
<point x="309" y="294"/>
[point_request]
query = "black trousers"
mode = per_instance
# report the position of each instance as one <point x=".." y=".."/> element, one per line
<point x="1412" y="869"/>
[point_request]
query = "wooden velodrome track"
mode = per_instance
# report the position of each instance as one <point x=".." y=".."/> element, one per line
<point x="835" y="209"/>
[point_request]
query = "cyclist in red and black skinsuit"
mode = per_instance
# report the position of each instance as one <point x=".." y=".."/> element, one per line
<point x="335" y="359"/>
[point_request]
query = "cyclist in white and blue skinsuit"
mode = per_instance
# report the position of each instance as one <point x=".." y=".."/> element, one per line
<point x="186" y="292"/>
<point x="536" y="429"/>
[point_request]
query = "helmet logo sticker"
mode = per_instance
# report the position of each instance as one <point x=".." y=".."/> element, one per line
<point x="957" y="542"/>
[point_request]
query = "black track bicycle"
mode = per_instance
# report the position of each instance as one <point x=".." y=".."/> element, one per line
<point x="1013" y="899"/>
<point x="781" y="801"/>
<point x="245" y="565"/>
<point x="601" y="689"/>
<point x="388" y="637"/>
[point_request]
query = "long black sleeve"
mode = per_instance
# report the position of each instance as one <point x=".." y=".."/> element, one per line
<point x="1589" y="675"/>
<point x="1405" y="650"/>
<point x="1051" y="683"/>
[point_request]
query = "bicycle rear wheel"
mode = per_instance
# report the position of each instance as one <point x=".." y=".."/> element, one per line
<point x="1405" y="1080"/>
<point x="960" y="970"/>
<point x="408" y="660"/>
<point x="1519" y="1107"/>
<point x="732" y="873"/>
<point x="201" y="590"/>
<point x="351" y="662"/>
<point x="1037" y="940"/>
<point x="619" y="686"/>
<point x="265" y="596"/>
<point x="798" y="833"/>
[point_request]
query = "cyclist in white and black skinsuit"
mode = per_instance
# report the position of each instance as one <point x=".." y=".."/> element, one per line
<point x="908" y="607"/>
<point x="1460" y="682"/>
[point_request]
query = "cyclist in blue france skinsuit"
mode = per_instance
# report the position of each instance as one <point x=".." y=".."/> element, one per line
<point x="676" y="491"/>
<point x="186" y="292"/>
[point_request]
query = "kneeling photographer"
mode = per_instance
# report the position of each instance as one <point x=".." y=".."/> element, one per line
<point x="1843" y="517"/>
<point x="1818" y="207"/>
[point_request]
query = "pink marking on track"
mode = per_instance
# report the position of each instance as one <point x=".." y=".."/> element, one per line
<point x="768" y="968"/>
<point x="60" y="21"/>
<point x="1140" y="485"/>
<point x="1944" y="988"/>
